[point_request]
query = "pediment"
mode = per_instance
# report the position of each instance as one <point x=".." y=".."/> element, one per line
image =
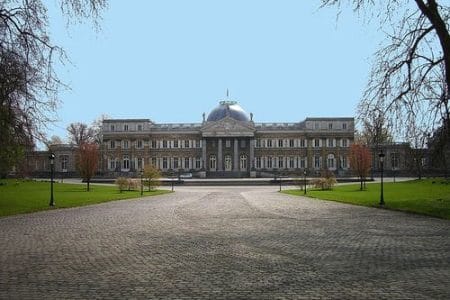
<point x="228" y="127"/>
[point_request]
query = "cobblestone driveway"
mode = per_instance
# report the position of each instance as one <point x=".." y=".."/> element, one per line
<point x="224" y="243"/>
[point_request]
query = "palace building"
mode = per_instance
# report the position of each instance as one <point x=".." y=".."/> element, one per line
<point x="227" y="143"/>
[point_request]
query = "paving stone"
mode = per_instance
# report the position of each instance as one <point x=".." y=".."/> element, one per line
<point x="224" y="243"/>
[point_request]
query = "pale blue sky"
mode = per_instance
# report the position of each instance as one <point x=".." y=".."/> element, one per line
<point x="170" y="60"/>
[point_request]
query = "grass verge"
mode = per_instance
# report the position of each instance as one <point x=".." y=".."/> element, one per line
<point x="428" y="197"/>
<point x="18" y="197"/>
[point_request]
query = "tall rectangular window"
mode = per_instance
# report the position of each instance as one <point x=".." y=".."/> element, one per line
<point x="112" y="128"/>
<point x="280" y="162"/>
<point x="175" y="144"/>
<point x="125" y="144"/>
<point x="112" y="144"/>
<point x="302" y="162"/>
<point x="197" y="143"/>
<point x="269" y="143"/>
<point x="291" y="143"/>
<point x="64" y="160"/>
<point x="344" y="126"/>
<point x="125" y="127"/>
<point x="176" y="164"/>
<point x="316" y="143"/>
<point x="140" y="144"/>
<point x="317" y="162"/>
<point x="139" y="127"/>
<point x="164" y="144"/>
<point x="269" y="162"/>
<point x="258" y="162"/>
<point x="186" y="163"/>
<point x="198" y="163"/>
<point x="303" y="143"/>
<point x="164" y="162"/>
<point x="330" y="143"/>
<point x="280" y="143"/>
<point x="291" y="162"/>
<point x="228" y="143"/>
<point x="344" y="143"/>
<point x="186" y="143"/>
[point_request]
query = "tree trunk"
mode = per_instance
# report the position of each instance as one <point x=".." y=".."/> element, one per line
<point x="88" y="185"/>
<point x="361" y="179"/>
<point x="431" y="11"/>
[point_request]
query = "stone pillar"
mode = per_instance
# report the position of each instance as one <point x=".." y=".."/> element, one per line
<point x="236" y="155"/>
<point x="252" y="154"/>
<point x="252" y="158"/>
<point x="219" y="155"/>
<point x="204" y="154"/>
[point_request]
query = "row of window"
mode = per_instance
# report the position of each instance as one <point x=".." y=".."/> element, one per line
<point x="139" y="144"/>
<point x="260" y="143"/>
<point x="261" y="162"/>
<point x="330" y="126"/>
<point x="293" y="162"/>
<point x="163" y="163"/>
<point x="124" y="127"/>
<point x="139" y="127"/>
<point x="301" y="143"/>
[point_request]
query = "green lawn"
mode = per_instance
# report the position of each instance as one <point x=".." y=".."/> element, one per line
<point x="29" y="196"/>
<point x="429" y="197"/>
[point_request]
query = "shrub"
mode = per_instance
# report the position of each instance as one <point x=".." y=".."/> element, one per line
<point x="132" y="184"/>
<point x="326" y="182"/>
<point x="122" y="183"/>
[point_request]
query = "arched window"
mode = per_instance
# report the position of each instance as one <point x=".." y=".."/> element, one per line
<point x="126" y="162"/>
<point x="331" y="162"/>
<point x="212" y="163"/>
<point x="243" y="162"/>
<point x="228" y="163"/>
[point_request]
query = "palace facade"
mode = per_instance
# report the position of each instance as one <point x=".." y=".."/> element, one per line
<point x="227" y="143"/>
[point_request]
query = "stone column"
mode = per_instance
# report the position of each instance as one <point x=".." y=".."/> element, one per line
<point x="236" y="155"/>
<point x="252" y="154"/>
<point x="204" y="164"/>
<point x="219" y="155"/>
<point x="252" y="158"/>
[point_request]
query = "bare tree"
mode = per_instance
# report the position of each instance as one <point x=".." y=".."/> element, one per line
<point x="96" y="128"/>
<point x="29" y="84"/>
<point x="79" y="133"/>
<point x="411" y="72"/>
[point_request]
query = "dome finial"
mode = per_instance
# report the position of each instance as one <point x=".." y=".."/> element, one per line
<point x="228" y="93"/>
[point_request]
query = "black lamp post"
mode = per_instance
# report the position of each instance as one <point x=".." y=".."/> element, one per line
<point x="304" y="179"/>
<point x="52" y="169"/>
<point x="142" y="183"/>
<point x="381" y="155"/>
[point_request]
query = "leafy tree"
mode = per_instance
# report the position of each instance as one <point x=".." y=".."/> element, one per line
<point x="29" y="84"/>
<point x="410" y="79"/>
<point x="87" y="156"/>
<point x="152" y="175"/>
<point x="360" y="161"/>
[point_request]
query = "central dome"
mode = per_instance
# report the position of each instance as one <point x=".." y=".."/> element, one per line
<point x="228" y="108"/>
